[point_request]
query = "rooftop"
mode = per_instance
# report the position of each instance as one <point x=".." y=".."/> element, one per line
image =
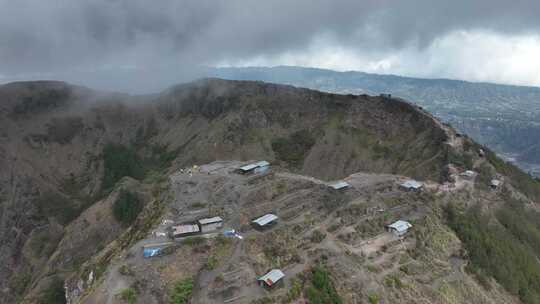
<point x="495" y="182"/>
<point x="183" y="229"/>
<point x="339" y="185"/>
<point x="252" y="166"/>
<point x="210" y="220"/>
<point x="400" y="225"/>
<point x="272" y="277"/>
<point x="468" y="173"/>
<point x="411" y="183"/>
<point x="264" y="220"/>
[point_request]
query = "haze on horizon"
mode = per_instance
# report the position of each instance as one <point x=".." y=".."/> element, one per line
<point x="162" y="42"/>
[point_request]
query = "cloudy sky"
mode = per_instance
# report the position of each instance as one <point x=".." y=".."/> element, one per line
<point x="480" y="40"/>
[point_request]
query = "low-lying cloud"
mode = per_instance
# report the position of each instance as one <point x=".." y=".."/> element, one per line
<point x="490" y="40"/>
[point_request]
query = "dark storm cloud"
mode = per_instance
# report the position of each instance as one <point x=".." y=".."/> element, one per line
<point x="46" y="36"/>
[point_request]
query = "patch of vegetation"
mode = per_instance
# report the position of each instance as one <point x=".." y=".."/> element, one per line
<point x="127" y="207"/>
<point x="381" y="151"/>
<point x="519" y="179"/>
<point x="264" y="300"/>
<point x="332" y="201"/>
<point x="125" y="270"/>
<point x="211" y="262"/>
<point x="198" y="205"/>
<point x="322" y="290"/>
<point x="181" y="291"/>
<point x="54" y="294"/>
<point x="128" y="295"/>
<point x="317" y="236"/>
<point x="372" y="226"/>
<point x="294" y="148"/>
<point x="296" y="289"/>
<point x="161" y="157"/>
<point x="464" y="160"/>
<point x="495" y="251"/>
<point x="144" y="133"/>
<point x="52" y="204"/>
<point x="120" y="161"/>
<point x="19" y="281"/>
<point x="485" y="175"/>
<point x="393" y="281"/>
<point x="521" y="222"/>
<point x="194" y="241"/>
<point x="63" y="129"/>
<point x="374" y="299"/>
<point x="43" y="243"/>
<point x="42" y="100"/>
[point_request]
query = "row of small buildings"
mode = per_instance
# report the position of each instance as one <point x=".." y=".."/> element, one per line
<point x="200" y="226"/>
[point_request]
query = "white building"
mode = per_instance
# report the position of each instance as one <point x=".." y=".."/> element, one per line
<point x="468" y="174"/>
<point x="411" y="185"/>
<point x="265" y="221"/>
<point x="271" y="278"/>
<point x="210" y="224"/>
<point x="399" y="228"/>
<point x="339" y="185"/>
<point x="495" y="183"/>
<point x="257" y="167"/>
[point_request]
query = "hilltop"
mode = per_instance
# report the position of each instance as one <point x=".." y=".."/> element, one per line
<point x="505" y="118"/>
<point x="91" y="178"/>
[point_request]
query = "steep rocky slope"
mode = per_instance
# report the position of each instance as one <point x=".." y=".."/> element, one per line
<point x="69" y="154"/>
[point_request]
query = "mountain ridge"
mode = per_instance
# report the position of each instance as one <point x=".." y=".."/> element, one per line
<point x="69" y="165"/>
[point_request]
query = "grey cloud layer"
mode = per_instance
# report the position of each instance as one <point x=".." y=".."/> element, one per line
<point x="42" y="36"/>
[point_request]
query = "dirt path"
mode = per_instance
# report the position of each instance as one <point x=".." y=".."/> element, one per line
<point x="289" y="175"/>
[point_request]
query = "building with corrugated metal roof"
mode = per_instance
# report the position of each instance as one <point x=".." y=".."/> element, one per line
<point x="210" y="224"/>
<point x="468" y="174"/>
<point x="411" y="185"/>
<point x="265" y="221"/>
<point x="495" y="183"/>
<point x="185" y="230"/>
<point x="339" y="185"/>
<point x="271" y="279"/>
<point x="257" y="167"/>
<point x="399" y="228"/>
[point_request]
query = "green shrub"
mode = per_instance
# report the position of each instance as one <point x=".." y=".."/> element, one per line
<point x="181" y="291"/>
<point x="54" y="294"/>
<point x="128" y="295"/>
<point x="120" y="161"/>
<point x="464" y="160"/>
<point x="194" y="241"/>
<point x="127" y="207"/>
<point x="295" y="291"/>
<point x="502" y="253"/>
<point x="63" y="129"/>
<point x="211" y="262"/>
<point x="294" y="148"/>
<point x="521" y="222"/>
<point x="393" y="281"/>
<point x="519" y="179"/>
<point x="322" y="290"/>
<point x="52" y="204"/>
<point x="317" y="236"/>
<point x="374" y="299"/>
<point x="19" y="282"/>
